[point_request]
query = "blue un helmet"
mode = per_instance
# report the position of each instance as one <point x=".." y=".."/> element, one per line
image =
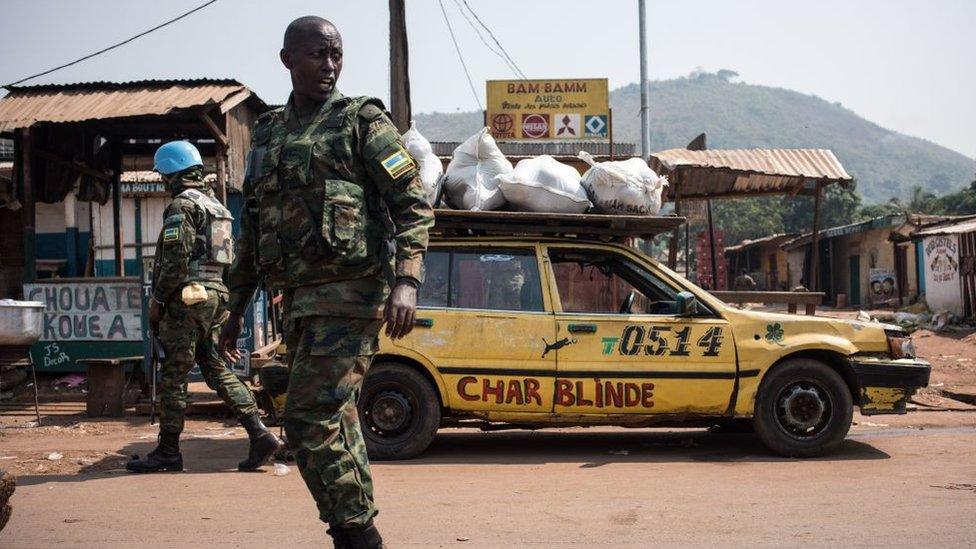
<point x="176" y="156"/>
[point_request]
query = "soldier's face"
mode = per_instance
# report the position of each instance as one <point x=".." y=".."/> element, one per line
<point x="315" y="63"/>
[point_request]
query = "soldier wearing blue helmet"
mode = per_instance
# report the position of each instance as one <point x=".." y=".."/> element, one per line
<point x="188" y="307"/>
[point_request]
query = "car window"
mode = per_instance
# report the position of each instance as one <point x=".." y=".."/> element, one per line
<point x="495" y="279"/>
<point x="434" y="291"/>
<point x="605" y="283"/>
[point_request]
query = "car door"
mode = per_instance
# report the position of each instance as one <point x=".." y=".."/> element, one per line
<point x="640" y="358"/>
<point x="484" y="321"/>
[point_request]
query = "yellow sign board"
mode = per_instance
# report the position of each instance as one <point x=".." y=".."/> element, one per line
<point x="549" y="109"/>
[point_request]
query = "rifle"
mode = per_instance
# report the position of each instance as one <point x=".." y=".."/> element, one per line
<point x="156" y="354"/>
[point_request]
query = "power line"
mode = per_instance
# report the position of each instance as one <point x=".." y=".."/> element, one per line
<point x="112" y="47"/>
<point x="458" y="49"/>
<point x="478" y="31"/>
<point x="492" y="35"/>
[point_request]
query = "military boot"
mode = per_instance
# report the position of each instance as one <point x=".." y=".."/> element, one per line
<point x="166" y="456"/>
<point x="364" y="536"/>
<point x="264" y="443"/>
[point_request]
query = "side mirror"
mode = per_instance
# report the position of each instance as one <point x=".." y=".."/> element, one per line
<point x="687" y="304"/>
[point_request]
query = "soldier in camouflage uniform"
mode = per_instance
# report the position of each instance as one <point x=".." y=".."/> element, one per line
<point x="329" y="185"/>
<point x="188" y="307"/>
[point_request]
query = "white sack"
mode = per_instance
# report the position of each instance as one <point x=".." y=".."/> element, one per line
<point x="427" y="162"/>
<point x="470" y="178"/>
<point x="542" y="184"/>
<point x="623" y="186"/>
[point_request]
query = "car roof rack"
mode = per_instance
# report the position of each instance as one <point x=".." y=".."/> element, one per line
<point x="583" y="226"/>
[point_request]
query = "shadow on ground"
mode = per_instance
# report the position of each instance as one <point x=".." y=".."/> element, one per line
<point x="597" y="448"/>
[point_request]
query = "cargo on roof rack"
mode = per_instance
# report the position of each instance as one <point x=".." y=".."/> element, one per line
<point x="477" y="223"/>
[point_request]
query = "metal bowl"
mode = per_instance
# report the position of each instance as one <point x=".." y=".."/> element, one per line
<point x="21" y="322"/>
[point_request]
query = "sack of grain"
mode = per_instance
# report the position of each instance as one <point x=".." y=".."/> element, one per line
<point x="427" y="162"/>
<point x="623" y="186"/>
<point x="542" y="184"/>
<point x="470" y="181"/>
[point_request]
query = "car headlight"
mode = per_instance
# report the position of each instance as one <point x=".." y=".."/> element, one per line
<point x="900" y="345"/>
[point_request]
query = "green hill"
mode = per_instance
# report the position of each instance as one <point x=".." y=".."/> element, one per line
<point x="736" y="115"/>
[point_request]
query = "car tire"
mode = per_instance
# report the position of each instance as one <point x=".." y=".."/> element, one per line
<point x="399" y="412"/>
<point x="803" y="409"/>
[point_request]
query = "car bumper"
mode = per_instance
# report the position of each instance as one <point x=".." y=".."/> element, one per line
<point x="884" y="386"/>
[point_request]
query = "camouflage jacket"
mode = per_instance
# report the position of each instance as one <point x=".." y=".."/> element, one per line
<point x="178" y="247"/>
<point x="321" y="202"/>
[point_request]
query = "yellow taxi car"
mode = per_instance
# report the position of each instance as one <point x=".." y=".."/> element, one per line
<point x="545" y="332"/>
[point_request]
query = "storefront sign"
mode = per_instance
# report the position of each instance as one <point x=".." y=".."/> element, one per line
<point x="883" y="284"/>
<point x="549" y="109"/>
<point x="89" y="311"/>
<point x="943" y="291"/>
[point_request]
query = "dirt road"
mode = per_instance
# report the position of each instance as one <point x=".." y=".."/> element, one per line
<point x="898" y="481"/>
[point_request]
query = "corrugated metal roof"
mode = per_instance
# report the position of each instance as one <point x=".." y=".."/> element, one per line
<point x="772" y="239"/>
<point x="741" y="172"/>
<point x="28" y="105"/>
<point x="959" y="227"/>
<point x="851" y="228"/>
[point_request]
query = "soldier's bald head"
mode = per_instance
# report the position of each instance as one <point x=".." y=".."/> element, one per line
<point x="309" y="27"/>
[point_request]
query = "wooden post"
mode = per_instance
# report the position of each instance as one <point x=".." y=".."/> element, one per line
<point x="399" y="67"/>
<point x="610" y="132"/>
<point x="116" y="157"/>
<point x="221" y="160"/>
<point x="814" y="276"/>
<point x="27" y="201"/>
<point x="711" y="238"/>
<point x="673" y="247"/>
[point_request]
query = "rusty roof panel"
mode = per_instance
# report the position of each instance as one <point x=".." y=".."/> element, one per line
<point x="709" y="173"/>
<point x="26" y="106"/>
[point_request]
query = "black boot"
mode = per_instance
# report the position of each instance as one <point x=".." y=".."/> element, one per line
<point x="263" y="443"/>
<point x="364" y="536"/>
<point x="166" y="456"/>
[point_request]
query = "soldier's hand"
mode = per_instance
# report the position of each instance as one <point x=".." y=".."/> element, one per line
<point x="227" y="342"/>
<point x="155" y="314"/>
<point x="401" y="308"/>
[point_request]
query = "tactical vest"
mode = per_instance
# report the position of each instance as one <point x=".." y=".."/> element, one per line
<point x="213" y="249"/>
<point x="319" y="216"/>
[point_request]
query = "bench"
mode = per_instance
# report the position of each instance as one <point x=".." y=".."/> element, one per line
<point x="809" y="300"/>
<point x="106" y="385"/>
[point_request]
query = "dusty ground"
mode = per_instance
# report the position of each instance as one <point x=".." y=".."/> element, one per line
<point x="897" y="481"/>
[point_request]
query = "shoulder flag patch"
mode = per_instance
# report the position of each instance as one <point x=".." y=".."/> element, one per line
<point x="398" y="163"/>
<point x="171" y="234"/>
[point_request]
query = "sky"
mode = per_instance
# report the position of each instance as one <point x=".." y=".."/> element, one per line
<point x="907" y="65"/>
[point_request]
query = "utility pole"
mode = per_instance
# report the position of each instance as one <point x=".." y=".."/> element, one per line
<point x="645" y="108"/>
<point x="399" y="67"/>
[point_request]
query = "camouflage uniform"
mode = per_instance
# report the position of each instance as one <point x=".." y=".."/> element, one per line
<point x="322" y="200"/>
<point x="193" y="229"/>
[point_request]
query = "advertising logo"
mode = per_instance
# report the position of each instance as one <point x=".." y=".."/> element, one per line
<point x="567" y="125"/>
<point x="503" y="125"/>
<point x="535" y="126"/>
<point x="595" y="125"/>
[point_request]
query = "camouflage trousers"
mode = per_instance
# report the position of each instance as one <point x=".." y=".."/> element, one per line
<point x="189" y="335"/>
<point x="328" y="364"/>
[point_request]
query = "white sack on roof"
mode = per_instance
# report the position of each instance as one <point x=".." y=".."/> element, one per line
<point x="470" y="178"/>
<point x="623" y="186"/>
<point x="427" y="162"/>
<point x="542" y="184"/>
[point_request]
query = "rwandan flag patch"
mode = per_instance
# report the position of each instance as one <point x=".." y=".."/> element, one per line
<point x="398" y="163"/>
<point x="171" y="234"/>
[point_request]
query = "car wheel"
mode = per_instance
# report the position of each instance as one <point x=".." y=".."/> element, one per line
<point x="803" y="409"/>
<point x="399" y="412"/>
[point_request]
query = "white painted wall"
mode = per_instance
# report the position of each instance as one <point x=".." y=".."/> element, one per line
<point x="152" y="223"/>
<point x="943" y="290"/>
